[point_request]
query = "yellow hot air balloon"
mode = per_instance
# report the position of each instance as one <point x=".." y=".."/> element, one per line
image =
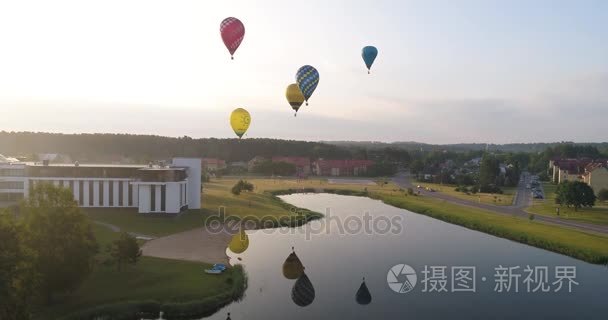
<point x="239" y="242"/>
<point x="240" y="120"/>
<point x="294" y="96"/>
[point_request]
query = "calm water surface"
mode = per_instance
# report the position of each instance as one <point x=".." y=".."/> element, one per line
<point x="336" y="263"/>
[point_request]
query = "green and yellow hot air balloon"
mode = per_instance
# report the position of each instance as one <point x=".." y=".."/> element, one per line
<point x="239" y="242"/>
<point x="240" y="120"/>
<point x="294" y="97"/>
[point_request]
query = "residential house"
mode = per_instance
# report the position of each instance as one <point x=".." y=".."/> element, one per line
<point x="341" y="167"/>
<point x="596" y="176"/>
<point x="254" y="162"/>
<point x="212" y="164"/>
<point x="302" y="164"/>
<point x="568" y="169"/>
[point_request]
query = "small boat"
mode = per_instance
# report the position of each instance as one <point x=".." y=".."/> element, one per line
<point x="216" y="269"/>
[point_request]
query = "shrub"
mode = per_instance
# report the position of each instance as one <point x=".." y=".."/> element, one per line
<point x="602" y="195"/>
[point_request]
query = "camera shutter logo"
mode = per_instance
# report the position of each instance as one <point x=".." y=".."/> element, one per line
<point x="401" y="278"/>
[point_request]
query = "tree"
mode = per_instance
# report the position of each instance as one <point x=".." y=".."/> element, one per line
<point x="489" y="169"/>
<point x="240" y="186"/>
<point x="417" y="166"/>
<point x="125" y="250"/>
<point x="17" y="274"/>
<point x="380" y="169"/>
<point x="602" y="195"/>
<point x="576" y="194"/>
<point x="61" y="236"/>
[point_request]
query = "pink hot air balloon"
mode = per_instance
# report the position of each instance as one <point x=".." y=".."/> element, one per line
<point x="232" y="31"/>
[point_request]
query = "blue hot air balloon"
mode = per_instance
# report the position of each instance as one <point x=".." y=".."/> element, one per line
<point x="369" y="54"/>
<point x="307" y="78"/>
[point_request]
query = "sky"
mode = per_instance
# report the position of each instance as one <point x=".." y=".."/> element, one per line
<point x="446" y="72"/>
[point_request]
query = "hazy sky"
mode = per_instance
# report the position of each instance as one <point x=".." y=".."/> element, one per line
<point x="447" y="71"/>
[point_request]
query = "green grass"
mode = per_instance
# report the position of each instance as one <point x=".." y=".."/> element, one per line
<point x="585" y="246"/>
<point x="154" y="279"/>
<point x="148" y="224"/>
<point x="505" y="199"/>
<point x="546" y="207"/>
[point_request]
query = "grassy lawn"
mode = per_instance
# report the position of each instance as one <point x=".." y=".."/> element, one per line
<point x="148" y="224"/>
<point x="595" y="215"/>
<point x="505" y="199"/>
<point x="216" y="195"/>
<point x="155" y="279"/>
<point x="581" y="245"/>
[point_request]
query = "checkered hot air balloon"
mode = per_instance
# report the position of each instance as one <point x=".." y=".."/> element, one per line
<point x="307" y="78"/>
<point x="233" y="32"/>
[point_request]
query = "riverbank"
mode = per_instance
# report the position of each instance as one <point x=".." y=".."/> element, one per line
<point x="585" y="246"/>
<point x="153" y="284"/>
<point x="170" y="277"/>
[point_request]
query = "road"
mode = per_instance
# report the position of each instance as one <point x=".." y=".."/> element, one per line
<point x="522" y="200"/>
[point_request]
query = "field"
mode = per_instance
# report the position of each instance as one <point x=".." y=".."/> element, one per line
<point x="505" y="199"/>
<point x="595" y="215"/>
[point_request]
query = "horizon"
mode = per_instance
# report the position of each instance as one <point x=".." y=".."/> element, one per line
<point x="304" y="140"/>
<point x="473" y="71"/>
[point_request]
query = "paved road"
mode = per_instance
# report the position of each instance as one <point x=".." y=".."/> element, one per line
<point x="522" y="200"/>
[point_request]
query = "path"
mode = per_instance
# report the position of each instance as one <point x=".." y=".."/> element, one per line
<point x="194" y="245"/>
<point x="198" y="245"/>
<point x="521" y="202"/>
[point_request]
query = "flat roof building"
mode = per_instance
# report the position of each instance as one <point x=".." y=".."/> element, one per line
<point x="151" y="189"/>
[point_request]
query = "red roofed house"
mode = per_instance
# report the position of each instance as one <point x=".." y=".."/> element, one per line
<point x="302" y="164"/>
<point x="568" y="169"/>
<point x="341" y="167"/>
<point x="212" y="164"/>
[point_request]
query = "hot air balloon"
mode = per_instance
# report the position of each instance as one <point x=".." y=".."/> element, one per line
<point x="292" y="267"/>
<point x="240" y="120"/>
<point x="239" y="242"/>
<point x="363" y="296"/>
<point x="294" y="96"/>
<point x="307" y="78"/>
<point x="232" y="31"/>
<point x="303" y="293"/>
<point x="369" y="54"/>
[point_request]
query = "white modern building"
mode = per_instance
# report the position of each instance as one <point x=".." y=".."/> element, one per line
<point x="151" y="189"/>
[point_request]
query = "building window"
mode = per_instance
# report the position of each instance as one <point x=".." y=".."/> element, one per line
<point x="111" y="192"/>
<point x="81" y="192"/>
<point x="91" y="193"/>
<point x="11" y="184"/>
<point x="121" y="199"/>
<point x="101" y="191"/>
<point x="152" y="198"/>
<point x="163" y="190"/>
<point x="130" y="195"/>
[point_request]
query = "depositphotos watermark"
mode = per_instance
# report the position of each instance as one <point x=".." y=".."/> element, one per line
<point x="366" y="223"/>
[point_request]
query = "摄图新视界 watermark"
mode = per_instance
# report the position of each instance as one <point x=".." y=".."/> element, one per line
<point x="402" y="278"/>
